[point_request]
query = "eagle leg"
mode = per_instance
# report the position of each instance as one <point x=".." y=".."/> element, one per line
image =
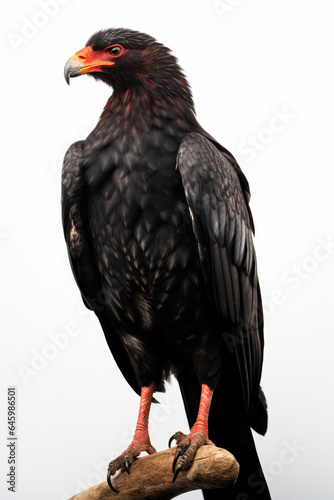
<point x="187" y="445"/>
<point x="141" y="439"/>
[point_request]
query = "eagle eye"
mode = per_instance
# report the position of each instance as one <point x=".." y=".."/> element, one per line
<point x="116" y="50"/>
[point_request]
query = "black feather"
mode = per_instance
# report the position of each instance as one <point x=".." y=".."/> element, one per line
<point x="159" y="235"/>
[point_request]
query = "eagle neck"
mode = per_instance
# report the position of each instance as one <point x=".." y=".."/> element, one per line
<point x="144" y="106"/>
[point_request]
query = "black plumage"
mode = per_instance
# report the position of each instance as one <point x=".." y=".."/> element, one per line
<point x="159" y="235"/>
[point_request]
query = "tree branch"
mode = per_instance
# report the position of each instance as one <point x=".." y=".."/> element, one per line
<point x="151" y="477"/>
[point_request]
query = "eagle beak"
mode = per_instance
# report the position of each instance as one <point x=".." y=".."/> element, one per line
<point x="72" y="68"/>
<point x="84" y="61"/>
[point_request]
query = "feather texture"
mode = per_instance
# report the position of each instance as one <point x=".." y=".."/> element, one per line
<point x="159" y="236"/>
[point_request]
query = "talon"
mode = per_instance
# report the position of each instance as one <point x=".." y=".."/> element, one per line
<point x="178" y="468"/>
<point x="170" y="440"/>
<point x="177" y="455"/>
<point x="109" y="481"/>
<point x="127" y="467"/>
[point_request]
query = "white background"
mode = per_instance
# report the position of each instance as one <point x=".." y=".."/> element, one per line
<point x="248" y="63"/>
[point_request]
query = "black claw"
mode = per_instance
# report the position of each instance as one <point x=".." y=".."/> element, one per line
<point x="171" y="439"/>
<point x="127" y="467"/>
<point x="178" y="468"/>
<point x="177" y="455"/>
<point x="109" y="481"/>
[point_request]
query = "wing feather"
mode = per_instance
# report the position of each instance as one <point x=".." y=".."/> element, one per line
<point x="217" y="194"/>
<point x="81" y="255"/>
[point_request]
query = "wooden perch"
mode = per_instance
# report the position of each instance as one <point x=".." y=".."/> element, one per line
<point x="151" y="477"/>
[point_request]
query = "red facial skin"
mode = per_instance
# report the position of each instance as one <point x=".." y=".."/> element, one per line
<point x="88" y="60"/>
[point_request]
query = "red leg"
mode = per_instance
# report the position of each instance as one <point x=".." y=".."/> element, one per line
<point x="199" y="434"/>
<point x="141" y="439"/>
<point x="201" y="424"/>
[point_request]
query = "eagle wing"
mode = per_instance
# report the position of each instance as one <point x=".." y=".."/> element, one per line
<point x="223" y="226"/>
<point x="81" y="254"/>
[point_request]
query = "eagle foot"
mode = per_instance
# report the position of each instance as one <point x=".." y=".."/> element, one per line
<point x="126" y="459"/>
<point x="187" y="446"/>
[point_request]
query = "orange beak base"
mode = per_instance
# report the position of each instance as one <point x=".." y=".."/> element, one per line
<point x="86" y="60"/>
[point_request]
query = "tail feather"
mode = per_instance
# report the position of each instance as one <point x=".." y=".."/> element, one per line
<point x="258" y="415"/>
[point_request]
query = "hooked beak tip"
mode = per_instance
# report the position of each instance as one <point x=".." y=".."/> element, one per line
<point x="72" y="69"/>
